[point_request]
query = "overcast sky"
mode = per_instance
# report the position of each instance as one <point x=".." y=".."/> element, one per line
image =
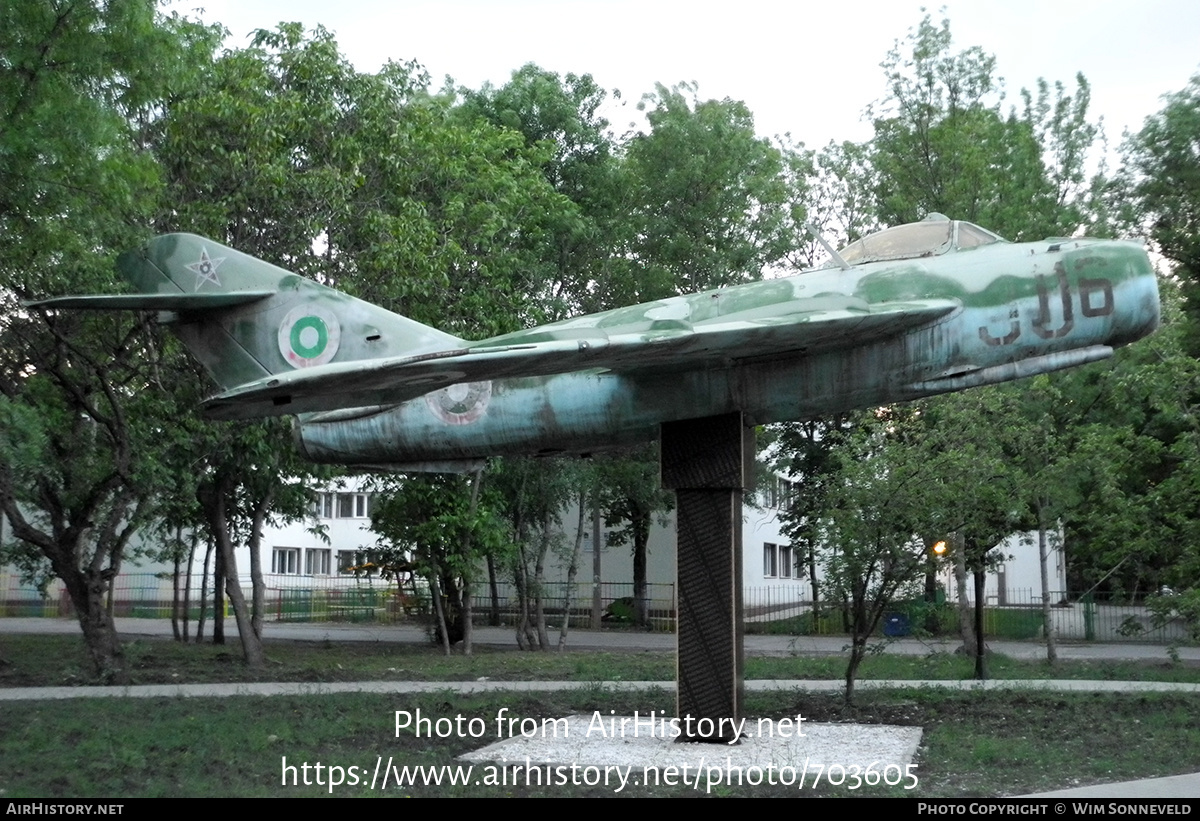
<point x="802" y="67"/>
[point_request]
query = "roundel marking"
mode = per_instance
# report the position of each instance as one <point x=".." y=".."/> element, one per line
<point x="460" y="404"/>
<point x="308" y="336"/>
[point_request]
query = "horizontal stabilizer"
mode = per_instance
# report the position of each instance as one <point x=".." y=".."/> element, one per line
<point x="666" y="346"/>
<point x="153" y="302"/>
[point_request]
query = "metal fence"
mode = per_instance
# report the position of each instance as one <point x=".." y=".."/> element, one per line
<point x="1012" y="614"/>
<point x="342" y="599"/>
<point x="785" y="608"/>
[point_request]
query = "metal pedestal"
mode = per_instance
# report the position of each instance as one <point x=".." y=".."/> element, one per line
<point x="709" y="463"/>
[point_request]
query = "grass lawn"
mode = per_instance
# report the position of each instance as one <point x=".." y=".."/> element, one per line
<point x="57" y="660"/>
<point x="975" y="744"/>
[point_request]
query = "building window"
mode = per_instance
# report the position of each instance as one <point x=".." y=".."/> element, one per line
<point x="777" y="493"/>
<point x="286" y="560"/>
<point x="779" y="561"/>
<point x="347" y="560"/>
<point x="344" y="505"/>
<point x="316" y="561"/>
<point x="785" y="561"/>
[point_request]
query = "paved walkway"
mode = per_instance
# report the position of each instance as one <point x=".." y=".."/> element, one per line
<point x="303" y="688"/>
<point x="1171" y="788"/>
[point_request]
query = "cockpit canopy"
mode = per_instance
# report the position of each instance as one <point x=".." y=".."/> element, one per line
<point x="932" y="236"/>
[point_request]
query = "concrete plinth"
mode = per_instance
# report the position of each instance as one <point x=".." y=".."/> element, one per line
<point x="709" y="463"/>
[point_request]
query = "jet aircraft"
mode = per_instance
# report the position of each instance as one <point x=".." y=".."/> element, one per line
<point x="914" y="310"/>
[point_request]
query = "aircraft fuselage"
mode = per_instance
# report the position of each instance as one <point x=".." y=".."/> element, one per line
<point x="1020" y="309"/>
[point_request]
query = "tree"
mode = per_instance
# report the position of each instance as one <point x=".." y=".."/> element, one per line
<point x="708" y="198"/>
<point x="77" y="455"/>
<point x="1133" y="528"/>
<point x="980" y="503"/>
<point x="631" y="495"/>
<point x="458" y="204"/>
<point x="942" y="143"/>
<point x="841" y="202"/>
<point x="870" y="545"/>
<point x="252" y="160"/>
<point x="1164" y="164"/>
<point x="559" y="118"/>
<point x="533" y="494"/>
<point x="811" y="452"/>
<point x="440" y="525"/>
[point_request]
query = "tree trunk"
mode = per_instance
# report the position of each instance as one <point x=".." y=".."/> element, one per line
<point x="816" y="596"/>
<point x="87" y="593"/>
<point x="439" y="611"/>
<point x="87" y="559"/>
<point x="641" y="538"/>
<point x="214" y="503"/>
<point x="597" y="568"/>
<point x="965" y="625"/>
<point x="572" y="569"/>
<point x="539" y="584"/>
<point x="494" y="589"/>
<point x="520" y="582"/>
<point x="932" y="624"/>
<point x="859" y="633"/>
<point x="1043" y="553"/>
<point x="468" y="612"/>
<point x="525" y="637"/>
<point x="175" y="591"/>
<point x="258" y="587"/>
<point x="208" y="549"/>
<point x="218" y="595"/>
<point x="187" y="586"/>
<point x="980" y="646"/>
<point x="858" y="649"/>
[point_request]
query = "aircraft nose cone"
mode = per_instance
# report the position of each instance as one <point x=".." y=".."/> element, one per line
<point x="1138" y="308"/>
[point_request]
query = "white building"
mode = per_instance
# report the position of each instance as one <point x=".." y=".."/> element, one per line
<point x="316" y="555"/>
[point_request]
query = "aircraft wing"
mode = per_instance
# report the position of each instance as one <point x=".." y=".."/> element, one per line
<point x="794" y="329"/>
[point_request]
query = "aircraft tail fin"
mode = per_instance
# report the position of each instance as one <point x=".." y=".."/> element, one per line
<point x="245" y="319"/>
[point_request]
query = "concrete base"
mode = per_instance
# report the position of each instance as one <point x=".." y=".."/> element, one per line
<point x="587" y="748"/>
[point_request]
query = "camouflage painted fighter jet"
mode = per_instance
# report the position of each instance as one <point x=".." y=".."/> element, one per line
<point x="911" y="311"/>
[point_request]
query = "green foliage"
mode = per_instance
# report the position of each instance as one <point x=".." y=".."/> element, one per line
<point x="942" y="143"/>
<point x="558" y="117"/>
<point x="708" y="198"/>
<point x="78" y="81"/>
<point x="1163" y="183"/>
<point x="630" y="495"/>
<point x="841" y="198"/>
<point x="427" y="518"/>
<point x="367" y="182"/>
<point x="810" y="452"/>
<point x="439" y="527"/>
